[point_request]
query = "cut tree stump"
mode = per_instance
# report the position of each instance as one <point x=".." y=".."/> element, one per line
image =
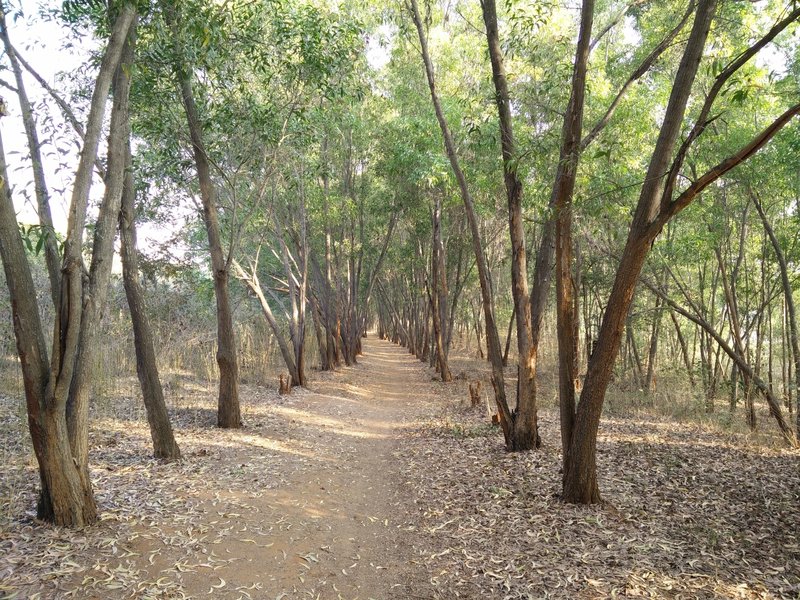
<point x="475" y="393"/>
<point x="285" y="385"/>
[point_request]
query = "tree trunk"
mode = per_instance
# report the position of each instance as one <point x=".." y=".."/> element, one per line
<point x="523" y="429"/>
<point x="492" y="338"/>
<point x="252" y="282"/>
<point x="791" y="314"/>
<point x="742" y="364"/>
<point x="228" y="411"/>
<point x="563" y="189"/>
<point x="164" y="444"/>
<point x="64" y="497"/>
<point x="652" y="352"/>
<point x="96" y="291"/>
<point x="580" y="480"/>
<point x="438" y="292"/>
<point x="687" y="362"/>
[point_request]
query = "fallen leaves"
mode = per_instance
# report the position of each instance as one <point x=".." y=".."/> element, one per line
<point x="687" y="514"/>
<point x="295" y="505"/>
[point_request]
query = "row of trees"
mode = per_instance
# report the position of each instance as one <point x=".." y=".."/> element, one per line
<point x="306" y="137"/>
<point x="678" y="170"/>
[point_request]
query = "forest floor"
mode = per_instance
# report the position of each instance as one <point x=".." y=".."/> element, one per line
<point x="379" y="482"/>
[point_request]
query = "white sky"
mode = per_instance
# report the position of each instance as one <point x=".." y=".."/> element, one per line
<point x="39" y="42"/>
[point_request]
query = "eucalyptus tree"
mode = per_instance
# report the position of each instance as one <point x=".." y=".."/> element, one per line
<point x="660" y="199"/>
<point x="164" y="444"/>
<point x="181" y="21"/>
<point x="56" y="393"/>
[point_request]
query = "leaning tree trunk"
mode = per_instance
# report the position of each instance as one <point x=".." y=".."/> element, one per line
<point x="252" y="282"/>
<point x="742" y="364"/>
<point x="164" y="444"/>
<point x="656" y="207"/>
<point x="228" y="411"/>
<point x="580" y="480"/>
<point x="492" y="338"/>
<point x="51" y="255"/>
<point x="791" y="314"/>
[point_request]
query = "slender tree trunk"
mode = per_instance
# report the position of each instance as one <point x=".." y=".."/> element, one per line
<point x="791" y="314"/>
<point x="228" y="411"/>
<point x="51" y="254"/>
<point x="737" y="334"/>
<point x="636" y="362"/>
<point x="438" y="292"/>
<point x="742" y="364"/>
<point x="331" y="316"/>
<point x="524" y="429"/>
<point x="252" y="282"/>
<point x="96" y="291"/>
<point x="493" y="340"/>
<point x="687" y="362"/>
<point x="511" y="322"/>
<point x="164" y="444"/>
<point x="563" y="189"/>
<point x="652" y="352"/>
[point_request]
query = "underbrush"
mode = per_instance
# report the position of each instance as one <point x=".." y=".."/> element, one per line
<point x="184" y="335"/>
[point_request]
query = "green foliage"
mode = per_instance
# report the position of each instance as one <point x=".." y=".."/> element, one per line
<point x="34" y="237"/>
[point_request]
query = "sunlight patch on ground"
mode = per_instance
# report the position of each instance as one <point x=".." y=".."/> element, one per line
<point x="343" y="427"/>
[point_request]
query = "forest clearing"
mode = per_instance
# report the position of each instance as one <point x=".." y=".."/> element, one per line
<point x="408" y="299"/>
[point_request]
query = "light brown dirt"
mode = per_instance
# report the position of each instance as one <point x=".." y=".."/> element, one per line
<point x="331" y="529"/>
<point x="305" y="501"/>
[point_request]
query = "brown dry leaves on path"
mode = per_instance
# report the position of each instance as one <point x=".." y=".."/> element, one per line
<point x="378" y="484"/>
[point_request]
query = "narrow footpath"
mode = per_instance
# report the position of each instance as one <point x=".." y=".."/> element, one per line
<point x="330" y="523"/>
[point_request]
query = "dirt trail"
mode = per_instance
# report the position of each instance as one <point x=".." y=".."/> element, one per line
<point x="334" y="527"/>
<point x="308" y="500"/>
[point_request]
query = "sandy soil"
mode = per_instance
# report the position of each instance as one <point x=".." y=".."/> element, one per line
<point x="305" y="501"/>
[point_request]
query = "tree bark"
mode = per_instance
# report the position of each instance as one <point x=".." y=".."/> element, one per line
<point x="95" y="292"/>
<point x="524" y="428"/>
<point x="492" y="338"/>
<point x="563" y="189"/>
<point x="164" y="444"/>
<point x="228" y="411"/>
<point x="439" y="292"/>
<point x="63" y="498"/>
